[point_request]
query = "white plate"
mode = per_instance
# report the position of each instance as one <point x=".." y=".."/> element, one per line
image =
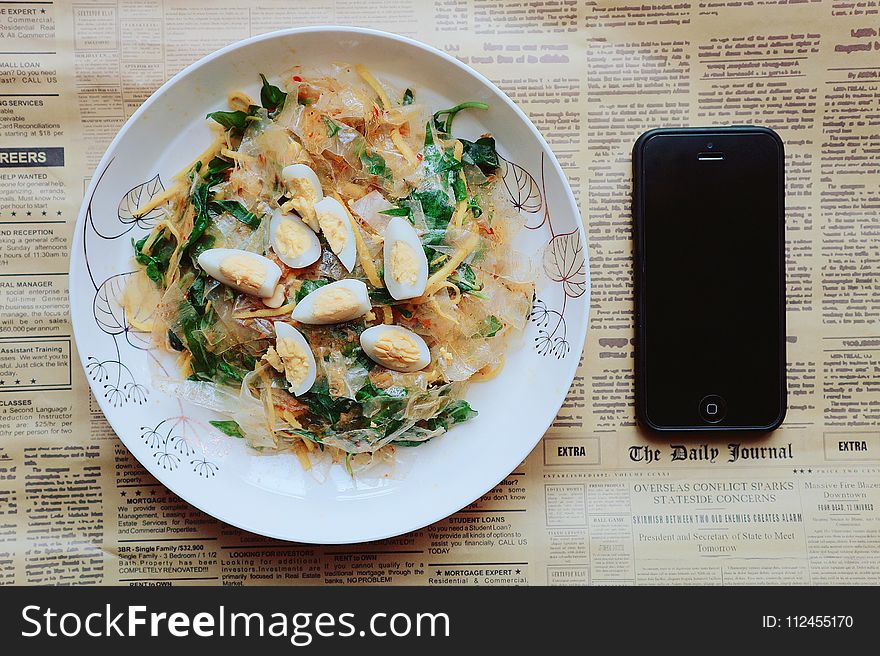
<point x="270" y="494"/>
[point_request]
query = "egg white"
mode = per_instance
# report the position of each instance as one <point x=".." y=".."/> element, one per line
<point x="308" y="256"/>
<point x="303" y="173"/>
<point x="286" y="331"/>
<point x="304" y="312"/>
<point x="400" y="230"/>
<point x="212" y="260"/>
<point x="347" y="254"/>
<point x="371" y="336"/>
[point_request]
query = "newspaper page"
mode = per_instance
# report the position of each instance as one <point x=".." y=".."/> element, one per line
<point x="598" y="501"/>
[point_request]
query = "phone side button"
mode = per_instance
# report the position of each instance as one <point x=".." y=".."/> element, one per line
<point x="712" y="408"/>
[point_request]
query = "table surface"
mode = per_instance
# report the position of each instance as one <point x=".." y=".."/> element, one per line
<point x="598" y="501"/>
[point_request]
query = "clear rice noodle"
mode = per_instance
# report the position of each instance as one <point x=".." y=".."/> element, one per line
<point x="383" y="155"/>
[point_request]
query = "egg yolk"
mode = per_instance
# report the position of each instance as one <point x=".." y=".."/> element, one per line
<point x="403" y="264"/>
<point x="397" y="348"/>
<point x="303" y="199"/>
<point x="337" y="304"/>
<point x="296" y="362"/>
<point x="302" y="188"/>
<point x="244" y="271"/>
<point x="334" y="230"/>
<point x="291" y="239"/>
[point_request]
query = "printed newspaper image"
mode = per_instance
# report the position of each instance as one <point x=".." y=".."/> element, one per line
<point x="599" y="501"/>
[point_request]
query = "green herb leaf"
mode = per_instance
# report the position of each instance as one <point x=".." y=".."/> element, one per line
<point x="459" y="411"/>
<point x="446" y="126"/>
<point x="375" y="165"/>
<point x="323" y="405"/>
<point x="465" y="278"/>
<point x="231" y="428"/>
<point x="196" y="294"/>
<point x="491" y="326"/>
<point x="408" y="97"/>
<point x="332" y="126"/>
<point x="216" y="172"/>
<point x="174" y="341"/>
<point x="309" y="435"/>
<point x="199" y="199"/>
<point x="455" y="413"/>
<point x="382" y="297"/>
<point x="156" y="261"/>
<point x="357" y="354"/>
<point x="307" y="287"/>
<point x="236" y="209"/>
<point x="436" y="207"/>
<point x="236" y="120"/>
<point x="459" y="188"/>
<point x="200" y="246"/>
<point x="480" y="153"/>
<point x="475" y="209"/>
<point x="397" y="211"/>
<point x="231" y="371"/>
<point x="271" y="97"/>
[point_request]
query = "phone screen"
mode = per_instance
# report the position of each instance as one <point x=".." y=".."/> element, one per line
<point x="712" y="299"/>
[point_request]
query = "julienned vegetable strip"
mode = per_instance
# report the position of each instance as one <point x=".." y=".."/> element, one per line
<point x="435" y="282"/>
<point x="363" y="255"/>
<point x="374" y="84"/>
<point x="404" y="148"/>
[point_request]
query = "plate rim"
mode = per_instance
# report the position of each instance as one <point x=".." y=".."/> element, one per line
<point x="77" y="242"/>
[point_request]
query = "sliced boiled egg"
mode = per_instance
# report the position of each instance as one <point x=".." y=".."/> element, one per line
<point x="395" y="348"/>
<point x="296" y="358"/>
<point x="339" y="301"/>
<point x="292" y="240"/>
<point x="406" y="265"/>
<point x="304" y="191"/>
<point x="242" y="270"/>
<point x="336" y="226"/>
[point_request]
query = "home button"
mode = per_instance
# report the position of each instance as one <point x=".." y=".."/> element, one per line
<point x="713" y="408"/>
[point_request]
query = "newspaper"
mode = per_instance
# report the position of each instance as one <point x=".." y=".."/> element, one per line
<point x="598" y="501"/>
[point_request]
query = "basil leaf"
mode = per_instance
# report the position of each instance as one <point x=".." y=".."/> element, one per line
<point x="491" y="326"/>
<point x="231" y="371"/>
<point x="236" y="120"/>
<point x="216" y="172"/>
<point x="200" y="246"/>
<point x="323" y="405"/>
<point x="236" y="209"/>
<point x="271" y="97"/>
<point x="332" y="126"/>
<point x="231" y="428"/>
<point x="465" y="278"/>
<point x="459" y="188"/>
<point x="375" y="165"/>
<point x="155" y="262"/>
<point x="475" y="209"/>
<point x="459" y="411"/>
<point x="397" y="211"/>
<point x="174" y="341"/>
<point x="480" y="153"/>
<point x="199" y="199"/>
<point x="436" y="207"/>
<point x="309" y="435"/>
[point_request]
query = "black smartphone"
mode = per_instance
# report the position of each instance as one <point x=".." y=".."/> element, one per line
<point x="709" y="212"/>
